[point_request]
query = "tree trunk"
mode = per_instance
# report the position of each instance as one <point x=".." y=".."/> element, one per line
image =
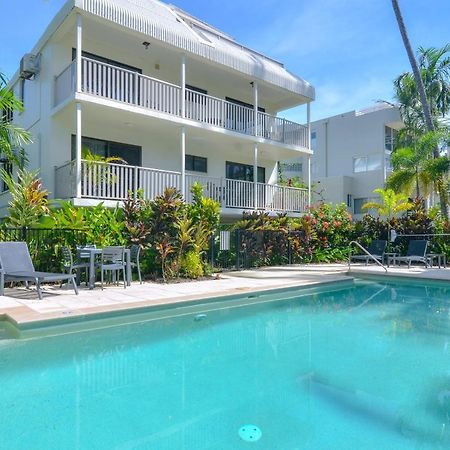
<point x="417" y="184"/>
<point x="420" y="88"/>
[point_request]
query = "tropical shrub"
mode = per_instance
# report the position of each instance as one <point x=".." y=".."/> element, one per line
<point x="28" y="204"/>
<point x="191" y="265"/>
<point x="102" y="226"/>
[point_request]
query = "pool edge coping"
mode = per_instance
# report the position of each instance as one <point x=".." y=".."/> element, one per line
<point x="169" y="303"/>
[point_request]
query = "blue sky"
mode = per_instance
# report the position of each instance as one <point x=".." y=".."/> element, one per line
<point x="350" y="50"/>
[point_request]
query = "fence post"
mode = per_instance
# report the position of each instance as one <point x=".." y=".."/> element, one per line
<point x="289" y="248"/>
<point x="24" y="234"/>
<point x="238" y="250"/>
<point x="212" y="241"/>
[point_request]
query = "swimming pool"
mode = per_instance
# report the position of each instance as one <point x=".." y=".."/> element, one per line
<point x="362" y="365"/>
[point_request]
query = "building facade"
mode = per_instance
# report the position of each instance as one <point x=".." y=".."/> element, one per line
<point x="351" y="155"/>
<point x="178" y="100"/>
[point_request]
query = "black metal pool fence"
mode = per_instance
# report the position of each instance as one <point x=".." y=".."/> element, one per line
<point x="229" y="249"/>
<point x="244" y="249"/>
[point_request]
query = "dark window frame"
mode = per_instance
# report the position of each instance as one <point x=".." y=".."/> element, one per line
<point x="102" y="59"/>
<point x="9" y="168"/>
<point x="241" y="103"/>
<point x="196" y="89"/>
<point x="108" y="143"/>
<point x="194" y="159"/>
<point x="249" y="170"/>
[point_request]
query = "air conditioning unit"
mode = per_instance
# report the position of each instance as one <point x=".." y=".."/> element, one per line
<point x="29" y="66"/>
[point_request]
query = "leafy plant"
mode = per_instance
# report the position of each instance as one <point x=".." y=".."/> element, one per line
<point x="28" y="202"/>
<point x="191" y="265"/>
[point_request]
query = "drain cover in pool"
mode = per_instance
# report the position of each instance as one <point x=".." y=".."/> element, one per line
<point x="250" y="433"/>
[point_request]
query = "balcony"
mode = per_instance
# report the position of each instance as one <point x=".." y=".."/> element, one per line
<point x="132" y="88"/>
<point x="103" y="181"/>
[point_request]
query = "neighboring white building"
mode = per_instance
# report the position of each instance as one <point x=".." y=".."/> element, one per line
<point x="179" y="100"/>
<point x="351" y="155"/>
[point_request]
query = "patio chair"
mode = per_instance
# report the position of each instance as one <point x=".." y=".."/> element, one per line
<point x="82" y="253"/>
<point x="113" y="260"/>
<point x="135" y="254"/>
<point x="416" y="252"/>
<point x="16" y="265"/>
<point x="69" y="266"/>
<point x="376" y="248"/>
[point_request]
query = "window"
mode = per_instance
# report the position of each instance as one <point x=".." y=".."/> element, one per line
<point x="22" y="91"/>
<point x="292" y="167"/>
<point x="196" y="163"/>
<point x="357" y="205"/>
<point x="132" y="154"/>
<point x="349" y="200"/>
<point x="360" y="164"/>
<point x="7" y="115"/>
<point x="111" y="62"/>
<point x="367" y="163"/>
<point x="374" y="162"/>
<point x="390" y="135"/>
<point x="244" y="172"/>
<point x="8" y="169"/>
<point x="387" y="163"/>
<point x="313" y="140"/>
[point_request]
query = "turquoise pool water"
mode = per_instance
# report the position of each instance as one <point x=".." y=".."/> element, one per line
<point x="363" y="366"/>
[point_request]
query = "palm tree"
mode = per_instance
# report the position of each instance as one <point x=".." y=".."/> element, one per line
<point x="414" y="166"/>
<point x="422" y="94"/>
<point x="12" y="137"/>
<point x="414" y="66"/>
<point x="389" y="205"/>
<point x="434" y="65"/>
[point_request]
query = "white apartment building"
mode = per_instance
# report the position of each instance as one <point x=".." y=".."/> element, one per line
<point x="177" y="99"/>
<point x="351" y="155"/>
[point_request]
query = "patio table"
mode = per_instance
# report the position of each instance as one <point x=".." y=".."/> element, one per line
<point x="93" y="253"/>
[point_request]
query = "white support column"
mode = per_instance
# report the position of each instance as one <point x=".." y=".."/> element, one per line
<point x="183" y="161"/>
<point x="309" y="180"/>
<point x="183" y="85"/>
<point x="308" y="120"/>
<point x="79" y="51"/>
<point x="255" y="107"/>
<point x="78" y="151"/>
<point x="255" y="175"/>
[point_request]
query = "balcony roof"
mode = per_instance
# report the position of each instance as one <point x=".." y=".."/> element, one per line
<point x="177" y="28"/>
<point x="171" y="25"/>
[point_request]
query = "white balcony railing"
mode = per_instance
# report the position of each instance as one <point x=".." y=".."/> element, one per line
<point x="126" y="86"/>
<point x="115" y="181"/>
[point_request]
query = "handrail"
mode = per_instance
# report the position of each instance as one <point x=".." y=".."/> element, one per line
<point x="366" y="252"/>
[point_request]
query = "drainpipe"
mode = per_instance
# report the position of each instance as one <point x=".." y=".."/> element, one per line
<point x="308" y="120"/>
<point x="183" y="129"/>
<point x="255" y="147"/>
<point x="78" y="106"/>
<point x="78" y="150"/>
<point x="183" y="161"/>
<point x="183" y="85"/>
<point x="79" y="51"/>
<point x="255" y="176"/>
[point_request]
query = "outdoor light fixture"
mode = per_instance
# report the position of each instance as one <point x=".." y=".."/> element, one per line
<point x="146" y="45"/>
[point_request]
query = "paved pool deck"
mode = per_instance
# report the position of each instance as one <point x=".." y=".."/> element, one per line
<point x="22" y="307"/>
